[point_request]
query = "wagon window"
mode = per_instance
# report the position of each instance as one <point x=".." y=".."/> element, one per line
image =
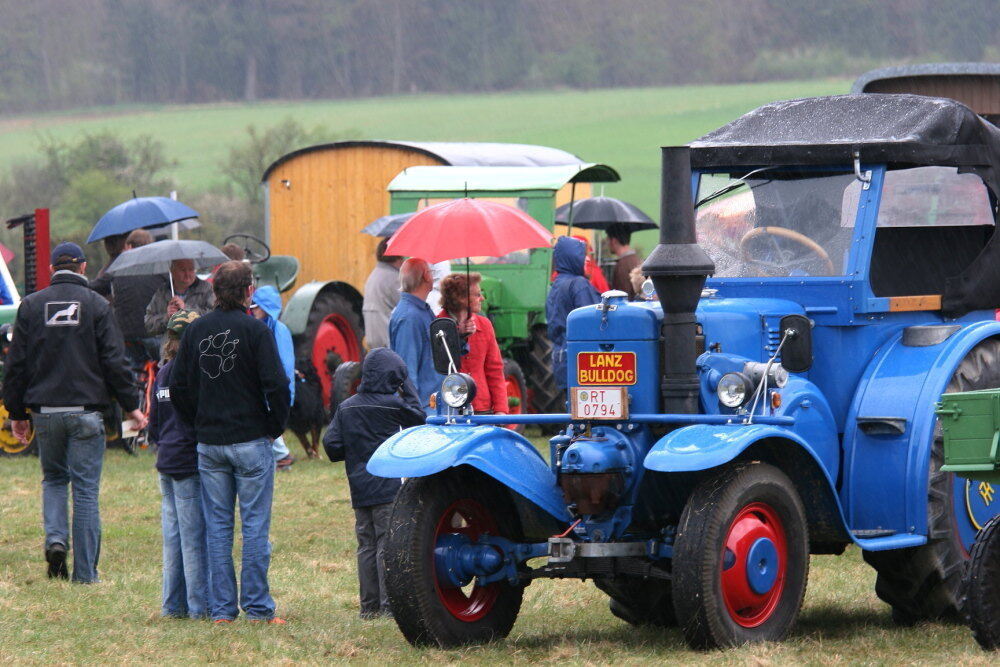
<point x="932" y="223"/>
<point x="791" y="222"/>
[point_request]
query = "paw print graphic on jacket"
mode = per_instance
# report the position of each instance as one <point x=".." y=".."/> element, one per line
<point x="218" y="354"/>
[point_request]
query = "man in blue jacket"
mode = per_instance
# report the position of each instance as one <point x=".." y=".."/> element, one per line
<point x="386" y="403"/>
<point x="266" y="306"/>
<point x="570" y="290"/>
<point x="409" y="328"/>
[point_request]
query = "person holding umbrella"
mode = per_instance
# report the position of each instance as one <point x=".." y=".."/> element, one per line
<point x="186" y="291"/>
<point x="619" y="238"/>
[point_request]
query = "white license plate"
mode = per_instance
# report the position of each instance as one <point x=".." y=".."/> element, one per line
<point x="599" y="403"/>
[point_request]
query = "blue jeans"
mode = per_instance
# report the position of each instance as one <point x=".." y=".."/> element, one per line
<point x="243" y="471"/>
<point x="71" y="451"/>
<point x="185" y="564"/>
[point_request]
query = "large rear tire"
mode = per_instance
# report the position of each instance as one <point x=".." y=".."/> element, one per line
<point x="925" y="582"/>
<point x="333" y="327"/>
<point x="427" y="610"/>
<point x="346" y="380"/>
<point x="546" y="397"/>
<point x="982" y="583"/>
<point x="741" y="558"/>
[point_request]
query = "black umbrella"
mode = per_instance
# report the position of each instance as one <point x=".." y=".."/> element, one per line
<point x="387" y="224"/>
<point x="603" y="212"/>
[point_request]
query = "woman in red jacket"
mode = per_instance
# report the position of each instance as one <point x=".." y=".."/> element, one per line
<point x="483" y="361"/>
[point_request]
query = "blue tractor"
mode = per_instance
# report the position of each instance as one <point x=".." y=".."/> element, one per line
<point x="723" y="430"/>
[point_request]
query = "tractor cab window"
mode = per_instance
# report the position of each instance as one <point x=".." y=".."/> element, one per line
<point x="776" y="222"/>
<point x="932" y="223"/>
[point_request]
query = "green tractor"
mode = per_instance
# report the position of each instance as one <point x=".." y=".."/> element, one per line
<point x="515" y="285"/>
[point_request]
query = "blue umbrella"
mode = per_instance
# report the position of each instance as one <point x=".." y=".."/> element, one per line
<point x="387" y="224"/>
<point x="140" y="212"/>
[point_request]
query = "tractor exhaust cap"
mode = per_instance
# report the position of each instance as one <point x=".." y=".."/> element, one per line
<point x="678" y="267"/>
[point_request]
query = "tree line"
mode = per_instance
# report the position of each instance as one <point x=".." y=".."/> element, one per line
<point x="63" y="54"/>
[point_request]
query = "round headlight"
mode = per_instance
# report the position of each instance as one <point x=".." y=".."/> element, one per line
<point x="733" y="389"/>
<point x="458" y="390"/>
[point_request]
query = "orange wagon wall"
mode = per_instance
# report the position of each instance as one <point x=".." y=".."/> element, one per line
<point x="319" y="201"/>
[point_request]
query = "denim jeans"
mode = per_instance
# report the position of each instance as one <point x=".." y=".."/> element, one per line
<point x="71" y="451"/>
<point x="185" y="559"/>
<point x="244" y="472"/>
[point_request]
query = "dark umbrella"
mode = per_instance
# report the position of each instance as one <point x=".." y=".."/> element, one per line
<point x="139" y="213"/>
<point x="603" y="212"/>
<point x="387" y="224"/>
<point x="155" y="258"/>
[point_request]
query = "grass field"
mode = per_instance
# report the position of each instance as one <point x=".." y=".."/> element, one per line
<point x="313" y="581"/>
<point x="622" y="127"/>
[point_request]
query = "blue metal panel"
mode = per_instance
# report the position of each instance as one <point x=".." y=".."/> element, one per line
<point x="499" y="452"/>
<point x="628" y="328"/>
<point x="885" y="480"/>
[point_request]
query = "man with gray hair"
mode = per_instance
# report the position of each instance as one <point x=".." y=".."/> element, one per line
<point x="409" y="328"/>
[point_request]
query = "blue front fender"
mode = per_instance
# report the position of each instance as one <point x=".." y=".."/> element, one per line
<point x="499" y="452"/>
<point x="704" y="446"/>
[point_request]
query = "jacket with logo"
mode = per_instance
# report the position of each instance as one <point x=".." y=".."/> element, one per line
<point x="67" y="351"/>
<point x="227" y="380"/>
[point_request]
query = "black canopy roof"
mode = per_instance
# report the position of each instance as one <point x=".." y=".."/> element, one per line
<point x="897" y="129"/>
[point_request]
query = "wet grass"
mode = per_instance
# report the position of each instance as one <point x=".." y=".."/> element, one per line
<point x="313" y="580"/>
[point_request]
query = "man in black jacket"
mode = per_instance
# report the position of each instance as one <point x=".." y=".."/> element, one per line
<point x="130" y="296"/>
<point x="65" y="357"/>
<point x="385" y="404"/>
<point x="228" y="383"/>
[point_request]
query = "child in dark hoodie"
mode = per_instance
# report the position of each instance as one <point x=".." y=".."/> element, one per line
<point x="185" y="565"/>
<point x="385" y="404"/>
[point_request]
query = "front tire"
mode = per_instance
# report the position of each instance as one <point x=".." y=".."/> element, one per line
<point x="982" y="582"/>
<point x="428" y="611"/>
<point x="741" y="558"/>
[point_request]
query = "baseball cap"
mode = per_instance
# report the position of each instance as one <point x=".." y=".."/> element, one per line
<point x="179" y="321"/>
<point x="68" y="249"/>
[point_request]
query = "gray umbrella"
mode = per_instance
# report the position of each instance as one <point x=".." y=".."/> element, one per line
<point x="155" y="258"/>
<point x="387" y="225"/>
<point x="602" y="213"/>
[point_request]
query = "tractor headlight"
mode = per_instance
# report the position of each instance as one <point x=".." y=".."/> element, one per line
<point x="733" y="389"/>
<point x="458" y="390"/>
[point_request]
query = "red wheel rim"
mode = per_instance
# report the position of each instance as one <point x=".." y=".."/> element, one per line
<point x="742" y="566"/>
<point x="469" y="518"/>
<point x="334" y="334"/>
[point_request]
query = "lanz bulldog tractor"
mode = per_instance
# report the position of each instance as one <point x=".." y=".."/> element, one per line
<point x="784" y="407"/>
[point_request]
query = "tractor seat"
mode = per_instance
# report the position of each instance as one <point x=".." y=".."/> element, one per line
<point x="278" y="270"/>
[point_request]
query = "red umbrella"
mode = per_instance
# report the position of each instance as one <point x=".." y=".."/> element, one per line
<point x="467" y="228"/>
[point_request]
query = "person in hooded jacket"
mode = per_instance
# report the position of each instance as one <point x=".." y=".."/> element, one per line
<point x="570" y="290"/>
<point x="386" y="403"/>
<point x="266" y="306"/>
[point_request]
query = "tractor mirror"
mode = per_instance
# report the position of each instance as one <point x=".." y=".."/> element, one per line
<point x="796" y="353"/>
<point x="446" y="345"/>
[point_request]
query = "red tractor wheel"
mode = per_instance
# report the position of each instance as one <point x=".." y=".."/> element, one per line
<point x="741" y="558"/>
<point x="333" y="328"/>
<point x="433" y="519"/>
<point x="517" y="391"/>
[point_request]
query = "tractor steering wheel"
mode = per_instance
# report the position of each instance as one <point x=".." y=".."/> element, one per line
<point x="785" y="259"/>
<point x="256" y="250"/>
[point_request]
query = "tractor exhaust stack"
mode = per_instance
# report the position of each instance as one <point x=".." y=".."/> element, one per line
<point x="678" y="267"/>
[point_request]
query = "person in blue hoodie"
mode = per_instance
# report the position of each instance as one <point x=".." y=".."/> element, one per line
<point x="569" y="290"/>
<point x="185" y="549"/>
<point x="266" y="306"/>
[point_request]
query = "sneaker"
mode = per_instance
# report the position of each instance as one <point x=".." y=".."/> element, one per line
<point x="274" y="620"/>
<point x="286" y="463"/>
<point x="55" y="556"/>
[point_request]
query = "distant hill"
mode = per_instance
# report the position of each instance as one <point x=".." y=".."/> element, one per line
<point x="621" y="127"/>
